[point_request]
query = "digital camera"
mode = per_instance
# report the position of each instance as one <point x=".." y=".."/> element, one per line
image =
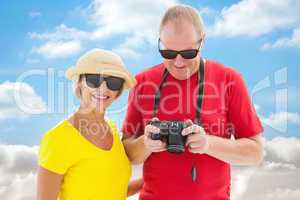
<point x="170" y="132"/>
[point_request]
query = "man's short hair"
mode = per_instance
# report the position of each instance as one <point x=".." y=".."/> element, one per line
<point x="183" y="12"/>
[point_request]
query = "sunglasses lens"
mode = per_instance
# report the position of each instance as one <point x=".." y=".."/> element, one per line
<point x="186" y="54"/>
<point x="189" y="54"/>
<point x="93" y="80"/>
<point x="168" y="54"/>
<point x="114" y="83"/>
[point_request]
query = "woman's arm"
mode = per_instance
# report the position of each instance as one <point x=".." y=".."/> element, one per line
<point x="48" y="184"/>
<point x="134" y="186"/>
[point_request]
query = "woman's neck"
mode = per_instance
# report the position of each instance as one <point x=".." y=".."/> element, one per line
<point x="91" y="115"/>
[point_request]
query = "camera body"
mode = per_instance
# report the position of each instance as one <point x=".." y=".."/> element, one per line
<point x="170" y="132"/>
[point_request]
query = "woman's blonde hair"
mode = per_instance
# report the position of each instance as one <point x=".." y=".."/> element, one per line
<point x="183" y="12"/>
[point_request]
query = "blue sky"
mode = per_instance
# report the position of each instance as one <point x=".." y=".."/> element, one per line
<point x="261" y="39"/>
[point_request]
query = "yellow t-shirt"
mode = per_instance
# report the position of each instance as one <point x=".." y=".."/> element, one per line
<point x="90" y="173"/>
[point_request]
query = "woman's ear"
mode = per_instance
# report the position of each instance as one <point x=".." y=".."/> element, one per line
<point x="78" y="88"/>
<point x="78" y="91"/>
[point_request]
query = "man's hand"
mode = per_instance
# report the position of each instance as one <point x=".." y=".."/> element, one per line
<point x="197" y="140"/>
<point x="153" y="145"/>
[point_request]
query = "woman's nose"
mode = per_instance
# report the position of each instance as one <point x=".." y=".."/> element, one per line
<point x="103" y="86"/>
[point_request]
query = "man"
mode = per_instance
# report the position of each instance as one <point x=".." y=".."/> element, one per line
<point x="227" y="132"/>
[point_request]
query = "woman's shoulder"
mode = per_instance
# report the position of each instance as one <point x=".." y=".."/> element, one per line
<point x="61" y="131"/>
<point x="55" y="149"/>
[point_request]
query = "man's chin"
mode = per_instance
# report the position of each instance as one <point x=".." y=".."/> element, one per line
<point x="181" y="78"/>
<point x="181" y="75"/>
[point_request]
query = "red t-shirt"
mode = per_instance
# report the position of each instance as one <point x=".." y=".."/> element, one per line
<point x="226" y="110"/>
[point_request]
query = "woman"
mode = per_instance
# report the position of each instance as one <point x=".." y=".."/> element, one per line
<point x="82" y="157"/>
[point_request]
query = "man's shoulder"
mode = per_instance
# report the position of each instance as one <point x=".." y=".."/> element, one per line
<point x="215" y="65"/>
<point x="220" y="70"/>
<point x="153" y="73"/>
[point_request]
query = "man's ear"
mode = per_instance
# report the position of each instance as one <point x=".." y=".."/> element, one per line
<point x="202" y="42"/>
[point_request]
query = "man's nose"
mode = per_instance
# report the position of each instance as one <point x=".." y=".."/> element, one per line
<point x="179" y="61"/>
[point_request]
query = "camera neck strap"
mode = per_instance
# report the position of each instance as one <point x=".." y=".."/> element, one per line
<point x="199" y="96"/>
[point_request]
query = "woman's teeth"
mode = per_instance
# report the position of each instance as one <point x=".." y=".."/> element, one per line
<point x="101" y="97"/>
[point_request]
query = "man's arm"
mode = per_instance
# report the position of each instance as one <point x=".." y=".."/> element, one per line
<point x="243" y="151"/>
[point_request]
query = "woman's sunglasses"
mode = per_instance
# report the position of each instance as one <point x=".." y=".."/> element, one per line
<point x="112" y="82"/>
<point x="171" y="54"/>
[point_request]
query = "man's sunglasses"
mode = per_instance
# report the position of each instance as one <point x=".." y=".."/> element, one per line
<point x="171" y="54"/>
<point x="112" y="82"/>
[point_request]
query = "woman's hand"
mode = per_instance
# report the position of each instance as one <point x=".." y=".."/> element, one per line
<point x="134" y="187"/>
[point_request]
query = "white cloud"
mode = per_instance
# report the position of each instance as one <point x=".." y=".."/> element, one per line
<point x="126" y="49"/>
<point x="59" y="49"/>
<point x="263" y="182"/>
<point x="276" y="179"/>
<point x="207" y="11"/>
<point x="293" y="41"/>
<point x="257" y="107"/>
<point x="283" y="194"/>
<point x="111" y="19"/>
<point x="256" y="17"/>
<point x="280" y="120"/>
<point x="127" y="52"/>
<point x="19" y="100"/>
<point x="18" y="166"/>
<point x="143" y="22"/>
<point x="284" y="150"/>
<point x="61" y="43"/>
<point x="34" y="14"/>
<point x="20" y="188"/>
<point x="32" y="61"/>
<point x="61" y="33"/>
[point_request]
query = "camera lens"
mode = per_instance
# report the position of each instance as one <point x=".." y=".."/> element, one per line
<point x="155" y="136"/>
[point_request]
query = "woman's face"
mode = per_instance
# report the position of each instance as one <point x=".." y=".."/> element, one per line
<point x="97" y="99"/>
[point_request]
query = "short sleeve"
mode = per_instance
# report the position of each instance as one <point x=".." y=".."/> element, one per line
<point x="53" y="154"/>
<point x="133" y="122"/>
<point x="241" y="112"/>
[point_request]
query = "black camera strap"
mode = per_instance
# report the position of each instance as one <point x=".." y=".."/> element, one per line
<point x="199" y="103"/>
<point x="199" y="96"/>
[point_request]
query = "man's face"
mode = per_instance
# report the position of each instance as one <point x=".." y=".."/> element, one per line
<point x="180" y="36"/>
